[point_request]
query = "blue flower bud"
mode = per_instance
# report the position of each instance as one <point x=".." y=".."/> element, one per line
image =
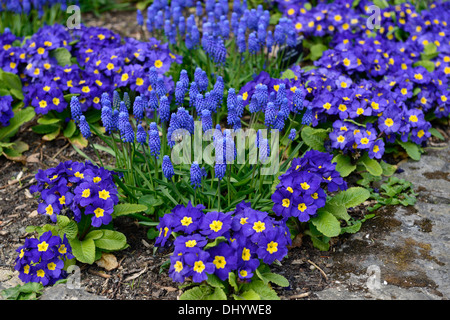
<point x="196" y="175"/>
<point x="167" y="167"/>
<point x="75" y="108"/>
<point x="292" y="134"/>
<point x="141" y="134"/>
<point x="164" y="109"/>
<point x="84" y="127"/>
<point x="154" y="143"/>
<point x="138" y="108"/>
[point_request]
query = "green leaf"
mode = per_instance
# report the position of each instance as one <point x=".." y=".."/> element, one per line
<point x="48" y="120"/>
<point x="20" y="117"/>
<point x="11" y="80"/>
<point x="67" y="226"/>
<point x="264" y="291"/>
<point x="52" y="135"/>
<point x="351" y="197"/>
<point x="317" y="51"/>
<point x="111" y="240"/>
<point x="44" y="128"/>
<point x="429" y="52"/>
<point x="84" y="251"/>
<point x="288" y="74"/>
<point x="411" y="149"/>
<point x="124" y="209"/>
<point x="371" y="165"/>
<point x="429" y="65"/>
<point x="79" y="141"/>
<point x="18" y="94"/>
<point x="278" y="279"/>
<point x="12" y="154"/>
<point x="218" y="294"/>
<point x="319" y="244"/>
<point x="435" y="133"/>
<point x="388" y="169"/>
<point x="352" y="228"/>
<point x="215" y="242"/>
<point x="248" y="295"/>
<point x="94" y="235"/>
<point x="196" y="293"/>
<point x="337" y="210"/>
<point x="327" y="224"/>
<point x="232" y="281"/>
<point x="344" y="165"/>
<point x="382" y="4"/>
<point x="70" y="129"/>
<point x="151" y="201"/>
<point x="62" y="56"/>
<point x="214" y="281"/>
<point x="314" y="138"/>
<point x="23" y="292"/>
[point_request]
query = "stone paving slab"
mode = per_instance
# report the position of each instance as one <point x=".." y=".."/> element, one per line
<point x="403" y="253"/>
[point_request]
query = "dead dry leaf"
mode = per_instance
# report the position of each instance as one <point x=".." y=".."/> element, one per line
<point x="108" y="261"/>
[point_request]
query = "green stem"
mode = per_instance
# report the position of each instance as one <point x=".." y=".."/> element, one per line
<point x="97" y="154"/>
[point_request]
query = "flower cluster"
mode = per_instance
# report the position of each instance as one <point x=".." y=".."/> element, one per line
<point x="244" y="236"/>
<point x="325" y="18"/>
<point x="25" y="6"/>
<point x="42" y="260"/>
<point x="372" y="85"/>
<point x="250" y="27"/>
<point x="105" y="62"/>
<point x="6" y="112"/>
<point x="404" y="62"/>
<point x="301" y="190"/>
<point x="275" y="98"/>
<point x="77" y="189"/>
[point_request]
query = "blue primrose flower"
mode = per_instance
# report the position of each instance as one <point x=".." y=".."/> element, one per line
<point x="42" y="260"/>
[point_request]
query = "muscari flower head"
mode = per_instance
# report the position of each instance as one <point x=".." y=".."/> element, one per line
<point x="84" y="127"/>
<point x="196" y="175"/>
<point x="138" y="108"/>
<point x="154" y="143"/>
<point x="167" y="167"/>
<point x="75" y="108"/>
<point x="292" y="134"/>
<point x="164" y="109"/>
<point x="141" y="134"/>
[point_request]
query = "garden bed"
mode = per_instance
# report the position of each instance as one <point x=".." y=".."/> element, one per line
<point x="142" y="222"/>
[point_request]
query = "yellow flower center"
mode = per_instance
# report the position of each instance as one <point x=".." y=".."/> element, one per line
<point x="259" y="226"/>
<point x="302" y="207"/>
<point x="86" y="193"/>
<point x="49" y="210"/>
<point x="245" y="254"/>
<point x="42" y="246"/>
<point x="389" y="122"/>
<point x="190" y="243"/>
<point x="99" y="212"/>
<point x="219" y="262"/>
<point x="199" y="266"/>
<point x="305" y="186"/>
<point x="178" y="266"/>
<point x="186" y="221"/>
<point x="103" y="194"/>
<point x="216" y="225"/>
<point x="272" y="247"/>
